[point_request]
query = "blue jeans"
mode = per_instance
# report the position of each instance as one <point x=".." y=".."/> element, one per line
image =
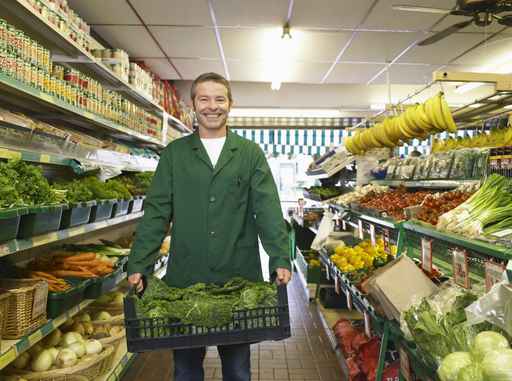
<point x="235" y="359"/>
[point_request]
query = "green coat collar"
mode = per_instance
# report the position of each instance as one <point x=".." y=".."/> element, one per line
<point x="231" y="145"/>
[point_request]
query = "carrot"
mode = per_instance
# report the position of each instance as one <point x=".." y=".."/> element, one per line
<point x="43" y="274"/>
<point x="82" y="257"/>
<point x="75" y="274"/>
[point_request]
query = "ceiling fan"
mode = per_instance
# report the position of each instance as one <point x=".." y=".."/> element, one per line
<point x="482" y="13"/>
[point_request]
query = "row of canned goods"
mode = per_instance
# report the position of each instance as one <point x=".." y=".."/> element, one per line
<point x="15" y="42"/>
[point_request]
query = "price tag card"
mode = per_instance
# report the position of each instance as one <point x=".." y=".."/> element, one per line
<point x="461" y="268"/>
<point x="405" y="365"/>
<point x="39" y="304"/>
<point x="327" y="275"/>
<point x="367" y="325"/>
<point x="343" y="225"/>
<point x="360" y="229"/>
<point x="35" y="337"/>
<point x="350" y="304"/>
<point x="426" y="254"/>
<point x="493" y="274"/>
<point x="337" y="288"/>
<point x="387" y="246"/>
<point x="372" y="235"/>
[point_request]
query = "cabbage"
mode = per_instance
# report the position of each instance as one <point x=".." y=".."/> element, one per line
<point x="488" y="341"/>
<point x="472" y="372"/>
<point x="452" y="365"/>
<point x="497" y="365"/>
<point x="42" y="362"/>
<point x="66" y="358"/>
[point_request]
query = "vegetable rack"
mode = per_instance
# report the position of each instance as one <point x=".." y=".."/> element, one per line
<point x="247" y="326"/>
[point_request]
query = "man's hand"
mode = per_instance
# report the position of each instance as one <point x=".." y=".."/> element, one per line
<point x="136" y="281"/>
<point x="283" y="276"/>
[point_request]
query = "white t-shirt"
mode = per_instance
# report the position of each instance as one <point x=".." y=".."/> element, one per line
<point x="214" y="148"/>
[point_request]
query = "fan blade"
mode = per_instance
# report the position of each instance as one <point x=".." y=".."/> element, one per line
<point x="445" y="33"/>
<point x="414" y="8"/>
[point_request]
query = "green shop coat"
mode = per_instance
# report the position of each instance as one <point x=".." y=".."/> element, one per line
<point x="216" y="213"/>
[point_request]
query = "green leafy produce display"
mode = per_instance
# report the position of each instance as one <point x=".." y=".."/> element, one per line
<point x="137" y="183"/>
<point x="76" y="191"/>
<point x="23" y="184"/>
<point x="325" y="192"/>
<point x="204" y="305"/>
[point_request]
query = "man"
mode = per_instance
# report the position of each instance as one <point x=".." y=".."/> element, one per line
<point x="218" y="191"/>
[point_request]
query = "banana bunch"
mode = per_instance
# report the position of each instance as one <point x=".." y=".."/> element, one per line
<point x="418" y="121"/>
<point x="498" y="137"/>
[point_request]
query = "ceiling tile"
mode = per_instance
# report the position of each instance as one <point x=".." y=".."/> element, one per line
<point x="329" y="13"/>
<point x="255" y="44"/>
<point x="407" y="75"/>
<point x="189" y="42"/>
<point x="192" y="68"/>
<point x="134" y="39"/>
<point x="353" y="73"/>
<point x="246" y="13"/>
<point x="104" y="12"/>
<point x="486" y="54"/>
<point x="442" y="52"/>
<point x="378" y="46"/>
<point x="173" y="12"/>
<point x="384" y="16"/>
<point x="162" y="68"/>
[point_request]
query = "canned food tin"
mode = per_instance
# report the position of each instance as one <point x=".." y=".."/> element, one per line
<point x="3" y="35"/>
<point x="30" y="74"/>
<point x="20" y="69"/>
<point x="40" y="78"/>
<point x="46" y="82"/>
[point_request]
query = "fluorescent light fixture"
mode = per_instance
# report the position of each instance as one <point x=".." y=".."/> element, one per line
<point x="503" y="65"/>
<point x="285" y="113"/>
<point x="468" y="87"/>
<point x="275" y="85"/>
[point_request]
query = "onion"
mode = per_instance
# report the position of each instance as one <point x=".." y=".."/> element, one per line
<point x="66" y="358"/>
<point x="34" y="351"/>
<point x="42" y="362"/>
<point x="53" y="339"/>
<point x="78" y="327"/>
<point x="78" y="348"/>
<point x="54" y="352"/>
<point x="68" y="339"/>
<point x="117" y="298"/>
<point x="103" y="316"/>
<point x="88" y="328"/>
<point x="21" y="361"/>
<point x="93" y="347"/>
<point x="85" y="317"/>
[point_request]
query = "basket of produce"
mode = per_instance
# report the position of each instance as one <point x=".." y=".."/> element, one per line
<point x="10" y="222"/>
<point x="102" y="210"/>
<point x="40" y="220"/>
<point x="77" y="214"/>
<point x="111" y="303"/>
<point x="4" y="305"/>
<point x="205" y="315"/>
<point x="61" y="301"/>
<point x="26" y="307"/>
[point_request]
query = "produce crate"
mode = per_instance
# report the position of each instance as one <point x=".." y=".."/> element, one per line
<point x="247" y="326"/>
<point x="101" y="285"/>
<point x="60" y="302"/>
<point x="4" y="305"/>
<point x="26" y="309"/>
<point x="120" y="208"/>
<point x="10" y="223"/>
<point x="316" y="275"/>
<point x="136" y="204"/>
<point x="40" y="220"/>
<point x="102" y="210"/>
<point x="76" y="214"/>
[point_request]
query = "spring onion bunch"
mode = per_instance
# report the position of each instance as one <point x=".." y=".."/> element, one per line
<point x="487" y="211"/>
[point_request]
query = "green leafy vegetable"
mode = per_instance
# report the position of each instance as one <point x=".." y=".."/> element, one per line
<point x="497" y="365"/>
<point x="488" y="341"/>
<point x="453" y="364"/>
<point x="472" y="372"/>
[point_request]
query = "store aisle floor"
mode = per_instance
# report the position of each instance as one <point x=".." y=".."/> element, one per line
<point x="306" y="356"/>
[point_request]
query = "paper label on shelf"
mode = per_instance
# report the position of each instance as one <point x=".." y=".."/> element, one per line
<point x="350" y="304"/>
<point x="89" y="115"/>
<point x="426" y="254"/>
<point x="367" y="325"/>
<point x="40" y="297"/>
<point x="405" y="365"/>
<point x="8" y="154"/>
<point x="493" y="274"/>
<point x="372" y="235"/>
<point x="343" y="225"/>
<point x="7" y="358"/>
<point x="46" y="97"/>
<point x="461" y="268"/>
<point x="337" y="285"/>
<point x="35" y="337"/>
<point x="44" y="158"/>
<point x="327" y="275"/>
<point x="387" y="246"/>
<point x="360" y="229"/>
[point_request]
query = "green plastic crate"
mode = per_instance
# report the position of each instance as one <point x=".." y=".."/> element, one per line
<point x="77" y="214"/>
<point x="60" y="302"/>
<point x="10" y="223"/>
<point x="40" y="220"/>
<point x="101" y="285"/>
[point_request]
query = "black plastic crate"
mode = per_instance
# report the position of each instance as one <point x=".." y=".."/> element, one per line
<point x="40" y="220"/>
<point x="136" y="204"/>
<point x="10" y="223"/>
<point x="120" y="208"/>
<point x="247" y="326"/>
<point x="102" y="285"/>
<point x="102" y="210"/>
<point x="76" y="214"/>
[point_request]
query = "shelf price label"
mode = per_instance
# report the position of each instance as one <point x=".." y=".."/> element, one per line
<point x="426" y="254"/>
<point x="405" y="365"/>
<point x="39" y="303"/>
<point x="372" y="235"/>
<point x="360" y="229"/>
<point x="367" y="325"/>
<point x="343" y="225"/>
<point x="387" y="246"/>
<point x="350" y="303"/>
<point x="461" y="268"/>
<point x="337" y="288"/>
<point x="327" y="275"/>
<point x="493" y="274"/>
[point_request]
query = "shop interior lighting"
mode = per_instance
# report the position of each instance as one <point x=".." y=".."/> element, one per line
<point x="501" y="66"/>
<point x="286" y="113"/>
<point x="280" y="47"/>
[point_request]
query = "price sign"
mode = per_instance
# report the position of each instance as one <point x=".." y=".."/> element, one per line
<point x="367" y="325"/>
<point x="426" y="254"/>
<point x="387" y="246"/>
<point x="327" y="275"/>
<point x="40" y="297"/>
<point x="360" y="229"/>
<point x="343" y="225"/>
<point x="372" y="235"/>
<point x="405" y="365"/>
<point x="461" y="268"/>
<point x="337" y="285"/>
<point x="493" y="274"/>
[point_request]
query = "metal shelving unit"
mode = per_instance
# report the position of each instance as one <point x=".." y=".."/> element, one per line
<point x="427" y="184"/>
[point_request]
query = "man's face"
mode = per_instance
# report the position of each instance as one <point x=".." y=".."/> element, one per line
<point x="211" y="105"/>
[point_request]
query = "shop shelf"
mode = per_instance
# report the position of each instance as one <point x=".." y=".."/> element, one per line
<point x="60" y="302"/>
<point x="102" y="210"/>
<point x="76" y="214"/>
<point x="40" y="220"/>
<point x="16" y="245"/>
<point x="120" y="208"/>
<point x="10" y="222"/>
<point x="136" y="204"/>
<point x="426" y="184"/>
<point x="99" y="286"/>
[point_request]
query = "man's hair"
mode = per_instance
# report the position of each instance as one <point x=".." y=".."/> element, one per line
<point x="210" y="77"/>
